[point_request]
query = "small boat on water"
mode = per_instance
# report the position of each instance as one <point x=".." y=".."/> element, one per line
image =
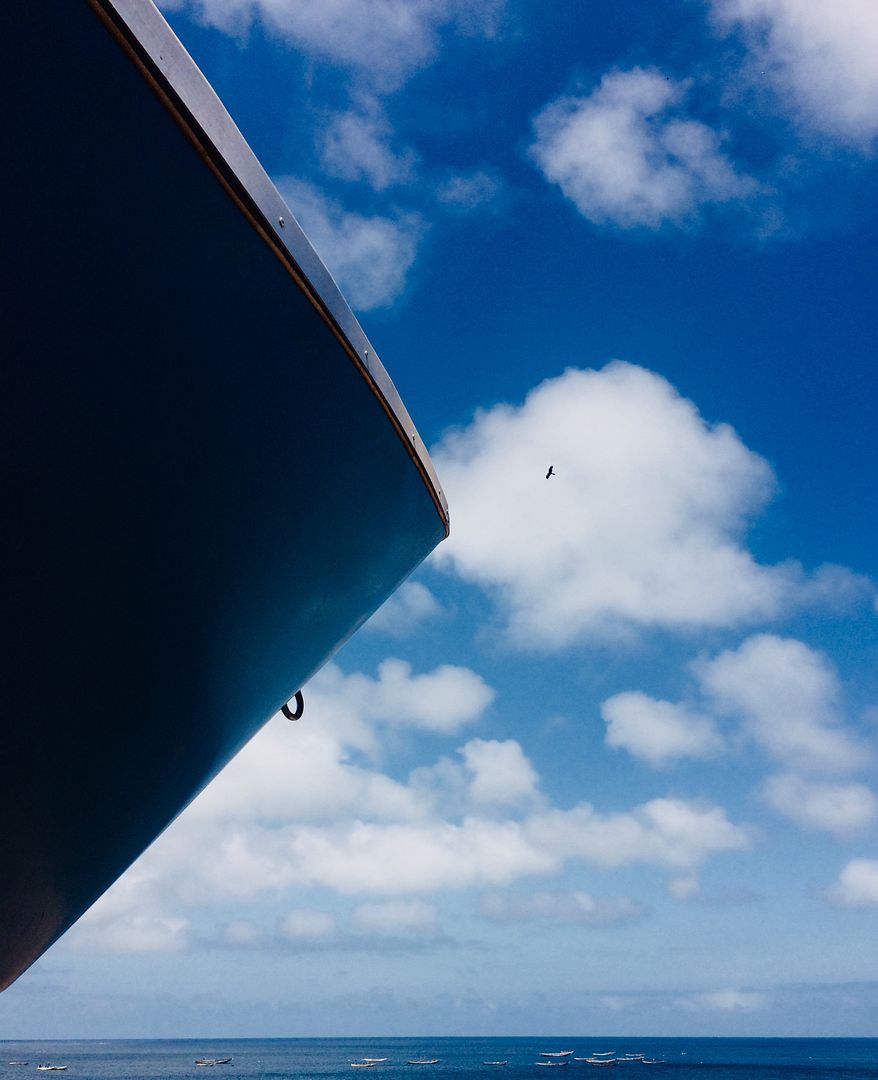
<point x="552" y="1064"/>
<point x="363" y="1064"/>
<point x="495" y="1062"/>
<point x="556" y="1053"/>
<point x="17" y="1062"/>
<point x="51" y="1068"/>
<point x="374" y="1061"/>
<point x="424" y="1061"/>
<point x="212" y="1061"/>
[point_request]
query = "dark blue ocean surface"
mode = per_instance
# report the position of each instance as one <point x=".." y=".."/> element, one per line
<point x="330" y="1059"/>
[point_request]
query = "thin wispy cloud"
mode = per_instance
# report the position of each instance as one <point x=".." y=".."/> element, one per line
<point x="382" y="43"/>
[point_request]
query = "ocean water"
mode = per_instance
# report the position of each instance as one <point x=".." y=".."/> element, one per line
<point x="330" y="1059"/>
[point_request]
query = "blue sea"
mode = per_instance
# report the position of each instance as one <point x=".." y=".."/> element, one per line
<point x="330" y="1059"/>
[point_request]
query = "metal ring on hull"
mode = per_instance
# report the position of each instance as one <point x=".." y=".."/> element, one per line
<point x="300" y="707"/>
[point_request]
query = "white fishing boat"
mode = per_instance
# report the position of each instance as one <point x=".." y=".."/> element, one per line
<point x="51" y="1068"/>
<point x="374" y="1061"/>
<point x="556" y="1053"/>
<point x="363" y="1064"/>
<point x="424" y="1061"/>
<point x="495" y="1062"/>
<point x="212" y="1061"/>
<point x="552" y="1064"/>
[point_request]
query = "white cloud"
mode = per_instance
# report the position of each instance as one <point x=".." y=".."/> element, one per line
<point x="820" y="59"/>
<point x="382" y="41"/>
<point x="639" y="527"/>
<point x="303" y="771"/>
<point x="561" y="907"/>
<point x="355" y="145"/>
<point x="469" y="191"/>
<point x="787" y="697"/>
<point x="857" y="885"/>
<point x="664" y="832"/>
<point x="658" y="731"/>
<point x="625" y="156"/>
<point x="839" y="808"/>
<point x="396" y="916"/>
<point x="501" y="773"/>
<point x="369" y="257"/>
<point x="727" y="1001"/>
<point x="443" y="700"/>
<point x="411" y="605"/>
<point x="307" y="924"/>
<point x="293" y="811"/>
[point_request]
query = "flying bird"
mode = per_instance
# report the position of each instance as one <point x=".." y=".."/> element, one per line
<point x="551" y="471"/>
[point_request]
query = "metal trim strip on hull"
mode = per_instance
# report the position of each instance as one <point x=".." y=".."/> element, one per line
<point x="141" y="28"/>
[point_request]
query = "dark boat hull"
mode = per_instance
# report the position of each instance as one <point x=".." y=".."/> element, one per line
<point x="207" y="488"/>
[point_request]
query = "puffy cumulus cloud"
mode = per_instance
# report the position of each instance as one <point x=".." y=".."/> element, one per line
<point x="382" y="41"/>
<point x="625" y="156"/>
<point x="658" y="731"/>
<point x="355" y="145"/>
<point x="396" y="916"/>
<point x="500" y="772"/>
<point x="786" y="696"/>
<point x="443" y="700"/>
<point x="578" y="908"/>
<point x="840" y="808"/>
<point x="304" y="772"/>
<point x="307" y="924"/>
<point x="411" y="605"/>
<point x="135" y="931"/>
<point x="665" y="832"/>
<point x="134" y="916"/>
<point x="727" y="1001"/>
<point x="857" y="885"/>
<point x="639" y="527"/>
<point x="820" y="59"/>
<point x="197" y="864"/>
<point x="369" y="257"/>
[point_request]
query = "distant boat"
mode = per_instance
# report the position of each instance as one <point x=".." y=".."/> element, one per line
<point x="595" y="1060"/>
<point x="424" y="1061"/>
<point x="552" y="1064"/>
<point x="556" y="1053"/>
<point x="495" y="1062"/>
<point x="18" y="1063"/>
<point x="212" y="1061"/>
<point x="363" y="1064"/>
<point x="51" y="1068"/>
<point x="374" y="1061"/>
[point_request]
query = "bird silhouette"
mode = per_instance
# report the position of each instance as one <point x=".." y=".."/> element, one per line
<point x="551" y="471"/>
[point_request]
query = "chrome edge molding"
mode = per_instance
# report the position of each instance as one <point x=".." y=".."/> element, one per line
<point x="147" y="33"/>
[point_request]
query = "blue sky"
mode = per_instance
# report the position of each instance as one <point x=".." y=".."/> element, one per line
<point x="607" y="763"/>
